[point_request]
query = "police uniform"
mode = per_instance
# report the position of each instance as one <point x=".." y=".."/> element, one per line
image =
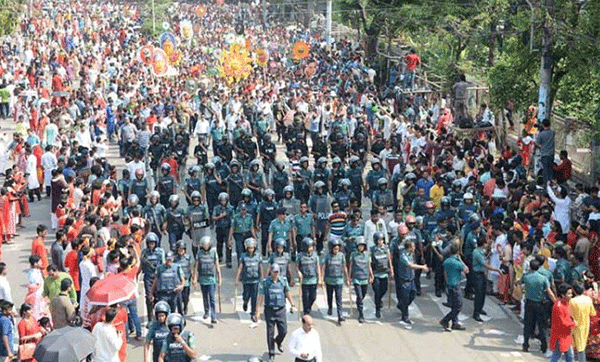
<point x="193" y="184"/>
<point x="174" y="351"/>
<point x="343" y="198"/>
<point x="302" y="187"/>
<point x="334" y="279"/>
<point x="321" y="206"/>
<point x="274" y="299"/>
<point x="199" y="219"/>
<point x="360" y="277"/>
<point x="175" y="225"/>
<point x="453" y="267"/>
<point x="304" y="225"/>
<point x="213" y="189"/>
<point x="336" y="176"/>
<point x="372" y="177"/>
<point x="283" y="260"/>
<point x="352" y="232"/>
<point x="207" y="278"/>
<point x="354" y="174"/>
<point x="242" y="230"/>
<point x="291" y="206"/>
<point x="479" y="280"/>
<point x="405" y="280"/>
<point x="321" y="174"/>
<point x="235" y="184"/>
<point x="157" y="334"/>
<point x="250" y="278"/>
<point x="256" y="179"/>
<point x="308" y="265"/>
<point x="165" y="186"/>
<point x="151" y="259"/>
<point x="279" y="181"/>
<point x="185" y="263"/>
<point x="535" y="285"/>
<point x="167" y="279"/>
<point x="222" y="227"/>
<point x="380" y="265"/>
<point x="384" y="198"/>
<point x="280" y="230"/>
<point x="155" y="215"/>
<point x="267" y="212"/>
<point x="140" y="188"/>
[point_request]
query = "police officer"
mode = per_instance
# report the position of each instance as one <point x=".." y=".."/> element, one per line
<point x="353" y="230"/>
<point x="268" y="151"/>
<point x="304" y="226"/>
<point x="343" y="194"/>
<point x="235" y="182"/>
<point x="320" y="205"/>
<point x="157" y="331"/>
<point x="256" y="180"/>
<point x="465" y="209"/>
<point x="165" y="184"/>
<point x="289" y="202"/>
<point x="537" y="288"/>
<point x="373" y="176"/>
<point x="184" y="261"/>
<point x="197" y="219"/>
<point x="302" y="180"/>
<point x="179" y="346"/>
<point x="250" y="203"/>
<point x="175" y="221"/>
<point x="222" y="215"/>
<point x="406" y="277"/>
<point x="274" y="290"/>
<point x="479" y="266"/>
<point x="140" y="187"/>
<point x="381" y="265"/>
<point x="334" y="273"/>
<point x="321" y="173"/>
<point x="169" y="281"/>
<point x="192" y="183"/>
<point x="383" y="195"/>
<point x="279" y="180"/>
<point x="469" y="247"/>
<point x="242" y="228"/>
<point x="454" y="267"/>
<point x="152" y="256"/>
<point x="282" y="258"/>
<point x="355" y="175"/>
<point x="456" y="195"/>
<point x="212" y="185"/>
<point x="250" y="271"/>
<point x="309" y="274"/>
<point x="280" y="228"/>
<point x="207" y="272"/>
<point x="155" y="213"/>
<point x="361" y="274"/>
<point x="337" y="174"/>
<point x="132" y="204"/>
<point x="267" y="212"/>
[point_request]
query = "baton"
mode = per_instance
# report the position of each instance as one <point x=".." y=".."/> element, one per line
<point x="235" y="299"/>
<point x="300" y="306"/>
<point x="389" y="299"/>
<point x="219" y="295"/>
<point x="350" y="293"/>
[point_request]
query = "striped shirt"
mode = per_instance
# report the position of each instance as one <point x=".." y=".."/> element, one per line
<point x="337" y="223"/>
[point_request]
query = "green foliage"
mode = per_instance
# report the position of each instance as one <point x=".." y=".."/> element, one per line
<point x="161" y="15"/>
<point x="9" y="15"/>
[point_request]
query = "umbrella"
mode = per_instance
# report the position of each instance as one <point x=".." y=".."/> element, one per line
<point x="113" y="289"/>
<point x="68" y="344"/>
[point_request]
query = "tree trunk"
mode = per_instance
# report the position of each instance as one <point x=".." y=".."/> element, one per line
<point x="492" y="45"/>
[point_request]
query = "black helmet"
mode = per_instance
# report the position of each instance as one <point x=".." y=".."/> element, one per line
<point x="180" y="245"/>
<point x="334" y="242"/>
<point x="151" y="237"/>
<point x="162" y="307"/>
<point x="280" y="242"/>
<point x="175" y="320"/>
<point x="307" y="241"/>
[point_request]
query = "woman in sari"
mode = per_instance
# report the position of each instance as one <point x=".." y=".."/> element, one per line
<point x="29" y="332"/>
<point x="593" y="342"/>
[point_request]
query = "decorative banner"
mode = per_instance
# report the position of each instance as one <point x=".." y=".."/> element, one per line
<point x="196" y="28"/>
<point x="174" y="57"/>
<point x="248" y="44"/>
<point x="145" y="54"/>
<point x="310" y="70"/>
<point x="165" y="26"/>
<point x="235" y="64"/>
<point x="167" y="42"/>
<point x="200" y="11"/>
<point x="159" y="62"/>
<point x="220" y="2"/>
<point x="262" y="57"/>
<point x="217" y="53"/>
<point x="230" y="38"/>
<point x="191" y="86"/>
<point x="187" y="29"/>
<point x="300" y="50"/>
<point x="212" y="71"/>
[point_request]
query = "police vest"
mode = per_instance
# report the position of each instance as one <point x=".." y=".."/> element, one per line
<point x="206" y="263"/>
<point x="256" y="179"/>
<point x="335" y="266"/>
<point x="235" y="181"/>
<point x="385" y="198"/>
<point x="185" y="263"/>
<point x="337" y="176"/>
<point x="212" y="187"/>
<point x="280" y="180"/>
<point x="160" y="334"/>
<point x="360" y="266"/>
<point x="373" y="177"/>
<point x="198" y="217"/>
<point x="283" y="261"/>
<point x="380" y="260"/>
<point x="192" y="184"/>
<point x="268" y="212"/>
<point x="308" y="265"/>
<point x="355" y="177"/>
<point x="321" y="174"/>
<point x="175" y="219"/>
<point x="154" y="258"/>
<point x="343" y="198"/>
<point x="251" y="270"/>
<point x="166" y="185"/>
<point x="291" y="206"/>
<point x="175" y="351"/>
<point x="321" y="206"/>
<point x="456" y="198"/>
<point x="275" y="293"/>
<point x="139" y="187"/>
<point x="168" y="279"/>
<point x="154" y="214"/>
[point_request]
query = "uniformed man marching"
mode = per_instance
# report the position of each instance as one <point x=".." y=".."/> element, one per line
<point x="290" y="203"/>
<point x="250" y="271"/>
<point x="242" y="228"/>
<point x="334" y="273"/>
<point x="221" y="216"/>
<point x="207" y="273"/>
<point x="282" y="258"/>
<point x="184" y="261"/>
<point x="454" y="267"/>
<point x="155" y="213"/>
<point x="165" y="184"/>
<point x="304" y="226"/>
<point x="152" y="256"/>
<point x="169" y="281"/>
<point x="197" y="220"/>
<point x="157" y="331"/>
<point x="381" y="265"/>
<point x="267" y="212"/>
<point x="192" y="183"/>
<point x="361" y="274"/>
<point x="140" y="186"/>
<point x="175" y="221"/>
<point x="180" y="345"/>
<point x="280" y="228"/>
<point x="406" y="277"/>
<point x="274" y="290"/>
<point x="309" y="274"/>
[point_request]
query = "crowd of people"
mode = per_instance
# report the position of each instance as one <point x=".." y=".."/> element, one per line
<point x="277" y="168"/>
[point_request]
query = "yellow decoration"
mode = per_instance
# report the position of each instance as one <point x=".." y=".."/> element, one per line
<point x="300" y="51"/>
<point x="235" y="64"/>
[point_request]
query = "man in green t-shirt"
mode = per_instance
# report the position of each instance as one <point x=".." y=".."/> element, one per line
<point x="454" y="267"/>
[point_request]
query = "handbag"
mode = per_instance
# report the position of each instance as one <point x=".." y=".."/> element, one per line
<point x="26" y="351"/>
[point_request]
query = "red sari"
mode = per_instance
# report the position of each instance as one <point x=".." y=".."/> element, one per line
<point x="28" y="327"/>
<point x="593" y="342"/>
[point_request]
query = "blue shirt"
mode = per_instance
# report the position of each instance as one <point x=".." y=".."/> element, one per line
<point x="6" y="329"/>
<point x="425" y="184"/>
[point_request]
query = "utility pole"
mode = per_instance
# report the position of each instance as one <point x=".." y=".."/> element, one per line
<point x="544" y="96"/>
<point x="328" y="24"/>
<point x="153" y="20"/>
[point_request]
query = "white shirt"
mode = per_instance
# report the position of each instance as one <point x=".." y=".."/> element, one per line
<point x="5" y="292"/>
<point x="371" y="228"/>
<point x="309" y="343"/>
<point x="87" y="270"/>
<point x="107" y="344"/>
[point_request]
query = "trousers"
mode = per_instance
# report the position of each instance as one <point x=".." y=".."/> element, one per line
<point x="309" y="295"/>
<point x="338" y="297"/>
<point x="380" y="286"/>
<point x="455" y="300"/>
<point x="535" y="314"/>
<point x="275" y="317"/>
<point x="250" y="293"/>
<point x="208" y="297"/>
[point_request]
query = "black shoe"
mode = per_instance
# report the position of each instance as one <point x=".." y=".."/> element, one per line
<point x="525" y="348"/>
<point x="254" y="319"/>
<point x="205" y="316"/>
<point x="271" y="358"/>
<point x="245" y="307"/>
<point x="377" y="313"/>
<point x="458" y="327"/>
<point x="341" y="319"/>
<point x="213" y="321"/>
<point x="228" y="265"/>
<point x="279" y="347"/>
<point x="469" y="296"/>
<point x="185" y="310"/>
<point x="446" y="304"/>
<point x="329" y="311"/>
<point x="446" y="326"/>
<point x="478" y="318"/>
<point x="438" y="294"/>
<point x="418" y="293"/>
<point x="483" y="312"/>
<point x="361" y="319"/>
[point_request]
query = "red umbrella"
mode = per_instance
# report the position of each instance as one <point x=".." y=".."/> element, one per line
<point x="114" y="288"/>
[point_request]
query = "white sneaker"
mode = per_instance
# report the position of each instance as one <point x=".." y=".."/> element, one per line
<point x="548" y="354"/>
